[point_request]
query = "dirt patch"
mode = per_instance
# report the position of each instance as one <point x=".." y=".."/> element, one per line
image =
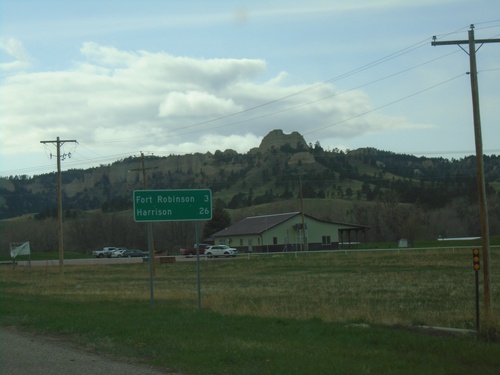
<point x="28" y="353"/>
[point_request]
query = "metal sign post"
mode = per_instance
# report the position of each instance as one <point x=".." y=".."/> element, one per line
<point x="198" y="268"/>
<point x="477" y="266"/>
<point x="172" y="205"/>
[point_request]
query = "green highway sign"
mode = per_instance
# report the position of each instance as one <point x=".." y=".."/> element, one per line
<point x="172" y="205"/>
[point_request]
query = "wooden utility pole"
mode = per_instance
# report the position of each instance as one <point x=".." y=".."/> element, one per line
<point x="481" y="185"/>
<point x="58" y="143"/>
<point x="151" y="244"/>
<point x="304" y="238"/>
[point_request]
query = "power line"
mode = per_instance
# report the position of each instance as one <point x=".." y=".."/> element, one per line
<point x="372" y="64"/>
<point x="186" y="131"/>
<point x="383" y="106"/>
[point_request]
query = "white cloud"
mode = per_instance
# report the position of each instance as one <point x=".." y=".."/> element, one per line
<point x="196" y="104"/>
<point x="106" y="55"/>
<point x="210" y="143"/>
<point x="115" y="101"/>
<point x="14" y="49"/>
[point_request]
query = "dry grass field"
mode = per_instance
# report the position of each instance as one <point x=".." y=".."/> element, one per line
<point x="317" y="290"/>
<point x="407" y="287"/>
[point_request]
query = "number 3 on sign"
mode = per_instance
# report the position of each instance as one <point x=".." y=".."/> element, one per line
<point x="207" y="199"/>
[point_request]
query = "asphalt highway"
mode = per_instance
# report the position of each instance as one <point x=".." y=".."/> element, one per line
<point x="105" y="261"/>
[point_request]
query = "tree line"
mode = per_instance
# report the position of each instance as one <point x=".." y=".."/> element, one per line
<point x="395" y="195"/>
<point x="84" y="232"/>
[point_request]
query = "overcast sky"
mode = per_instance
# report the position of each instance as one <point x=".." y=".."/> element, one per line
<point x="173" y="77"/>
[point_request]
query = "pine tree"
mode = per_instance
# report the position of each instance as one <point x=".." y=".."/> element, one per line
<point x="220" y="220"/>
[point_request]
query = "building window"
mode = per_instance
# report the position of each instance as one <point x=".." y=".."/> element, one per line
<point x="241" y="241"/>
<point x="275" y="240"/>
<point x="326" y="240"/>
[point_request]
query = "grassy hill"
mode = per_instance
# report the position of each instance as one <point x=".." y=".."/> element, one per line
<point x="397" y="195"/>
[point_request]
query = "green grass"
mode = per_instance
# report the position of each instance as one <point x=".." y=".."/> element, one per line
<point x="280" y="314"/>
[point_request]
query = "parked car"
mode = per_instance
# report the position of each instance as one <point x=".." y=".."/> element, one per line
<point x="220" y="250"/>
<point x="191" y="251"/>
<point x="133" y="254"/>
<point x="115" y="251"/>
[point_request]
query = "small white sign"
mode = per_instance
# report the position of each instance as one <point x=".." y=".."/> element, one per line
<point x="19" y="248"/>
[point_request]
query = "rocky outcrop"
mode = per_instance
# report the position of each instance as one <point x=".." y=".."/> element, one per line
<point x="276" y="139"/>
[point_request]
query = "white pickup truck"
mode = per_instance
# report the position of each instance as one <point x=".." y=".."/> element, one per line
<point x="104" y="253"/>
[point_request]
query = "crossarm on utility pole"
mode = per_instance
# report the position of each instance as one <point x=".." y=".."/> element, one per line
<point x="451" y="42"/>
